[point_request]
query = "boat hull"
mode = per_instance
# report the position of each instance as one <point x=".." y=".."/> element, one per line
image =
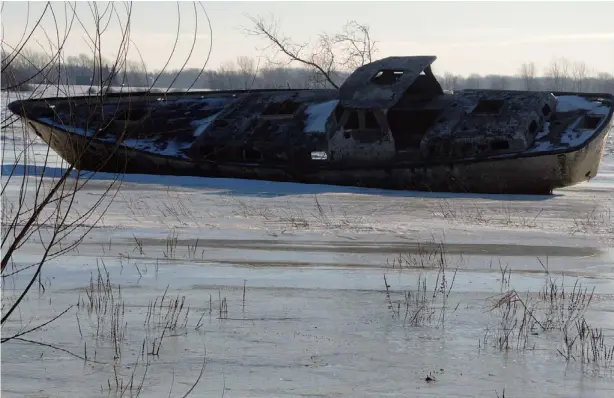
<point x="522" y="174"/>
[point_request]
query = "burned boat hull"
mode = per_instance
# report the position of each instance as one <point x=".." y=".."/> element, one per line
<point x="390" y="125"/>
<point x="538" y="174"/>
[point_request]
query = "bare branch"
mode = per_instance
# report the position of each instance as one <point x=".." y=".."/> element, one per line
<point x="280" y="43"/>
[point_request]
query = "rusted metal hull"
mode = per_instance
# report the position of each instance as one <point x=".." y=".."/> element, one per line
<point x="538" y="173"/>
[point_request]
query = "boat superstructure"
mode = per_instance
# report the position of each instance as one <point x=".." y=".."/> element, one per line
<point x="390" y="125"/>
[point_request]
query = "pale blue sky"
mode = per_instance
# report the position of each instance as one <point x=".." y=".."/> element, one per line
<point x="467" y="37"/>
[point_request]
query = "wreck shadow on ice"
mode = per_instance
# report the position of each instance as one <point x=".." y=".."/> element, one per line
<point x="389" y="126"/>
<point x="253" y="188"/>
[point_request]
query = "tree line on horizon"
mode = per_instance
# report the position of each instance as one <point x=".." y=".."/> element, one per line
<point x="35" y="68"/>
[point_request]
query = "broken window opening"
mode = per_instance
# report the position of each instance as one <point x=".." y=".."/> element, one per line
<point x="286" y="107"/>
<point x="591" y="122"/>
<point x="387" y="76"/>
<point x="408" y="126"/>
<point x="489" y="107"/>
<point x="533" y="127"/>
<point x="371" y="120"/>
<point x="352" y="122"/>
<point x="499" y="145"/>
<point x="546" y="110"/>
<point x="339" y="113"/>
<point x="353" y="119"/>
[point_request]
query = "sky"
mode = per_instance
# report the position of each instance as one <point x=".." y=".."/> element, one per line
<point x="467" y="37"/>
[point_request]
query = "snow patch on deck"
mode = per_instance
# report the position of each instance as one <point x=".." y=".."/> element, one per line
<point x="317" y="116"/>
<point x="575" y="136"/>
<point x="202" y="124"/>
<point x="568" y="103"/>
<point x="544" y="132"/>
<point x="149" y="145"/>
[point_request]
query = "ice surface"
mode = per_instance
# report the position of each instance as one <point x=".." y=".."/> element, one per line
<point x="315" y="320"/>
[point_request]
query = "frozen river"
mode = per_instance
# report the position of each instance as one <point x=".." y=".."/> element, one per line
<point x="286" y="294"/>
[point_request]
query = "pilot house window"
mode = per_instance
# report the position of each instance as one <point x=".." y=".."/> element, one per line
<point x="387" y="76"/>
<point x="371" y="120"/>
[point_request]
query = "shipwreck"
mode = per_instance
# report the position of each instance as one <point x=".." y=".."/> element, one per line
<point x="390" y="125"/>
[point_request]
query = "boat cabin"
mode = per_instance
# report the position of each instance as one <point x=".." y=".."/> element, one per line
<point x="395" y="109"/>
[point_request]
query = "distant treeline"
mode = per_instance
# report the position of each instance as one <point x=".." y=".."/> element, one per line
<point x="33" y="68"/>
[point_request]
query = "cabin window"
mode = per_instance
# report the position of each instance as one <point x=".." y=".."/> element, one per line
<point x="287" y="107"/>
<point x="546" y="110"/>
<point x="499" y="145"/>
<point x="591" y="122"/>
<point x="489" y="107"/>
<point x="387" y="76"/>
<point x="370" y="120"/>
<point x="408" y="126"/>
<point x="339" y="113"/>
<point x="533" y="127"/>
<point x="352" y="122"/>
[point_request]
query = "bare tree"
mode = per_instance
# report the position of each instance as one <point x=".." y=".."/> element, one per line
<point x="473" y="81"/>
<point x="528" y="76"/>
<point x="579" y="74"/>
<point x="498" y="82"/>
<point x="46" y="208"/>
<point x="558" y="72"/>
<point x="227" y="75"/>
<point x="247" y="71"/>
<point x="40" y="199"/>
<point x="273" y="77"/>
<point x="450" y="81"/>
<point x="356" y="45"/>
<point x="605" y="83"/>
<point x="330" y="55"/>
